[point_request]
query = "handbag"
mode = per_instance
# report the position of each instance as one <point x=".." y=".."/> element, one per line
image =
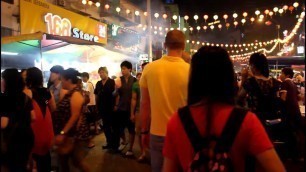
<point x="66" y="147"/>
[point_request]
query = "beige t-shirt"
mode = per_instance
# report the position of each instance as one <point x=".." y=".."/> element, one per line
<point x="166" y="80"/>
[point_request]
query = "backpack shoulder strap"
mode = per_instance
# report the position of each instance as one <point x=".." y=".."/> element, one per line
<point x="191" y="129"/>
<point x="231" y="129"/>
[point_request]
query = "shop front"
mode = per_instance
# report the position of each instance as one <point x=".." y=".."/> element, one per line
<point x="51" y="35"/>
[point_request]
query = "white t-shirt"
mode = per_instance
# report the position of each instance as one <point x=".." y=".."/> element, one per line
<point x="88" y="86"/>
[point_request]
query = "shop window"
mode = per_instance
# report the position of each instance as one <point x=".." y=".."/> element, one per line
<point x="6" y="31"/>
<point x="8" y="1"/>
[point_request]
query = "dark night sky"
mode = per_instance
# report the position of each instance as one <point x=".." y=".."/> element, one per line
<point x="252" y="32"/>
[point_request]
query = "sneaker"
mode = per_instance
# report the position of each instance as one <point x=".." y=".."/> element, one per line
<point x="129" y="153"/>
<point x="121" y="147"/>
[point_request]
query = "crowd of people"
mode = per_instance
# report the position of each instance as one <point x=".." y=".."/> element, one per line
<point x="187" y="117"/>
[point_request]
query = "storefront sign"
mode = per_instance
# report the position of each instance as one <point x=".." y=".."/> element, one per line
<point x="40" y="16"/>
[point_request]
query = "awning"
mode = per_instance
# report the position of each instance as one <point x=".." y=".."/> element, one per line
<point x="44" y="50"/>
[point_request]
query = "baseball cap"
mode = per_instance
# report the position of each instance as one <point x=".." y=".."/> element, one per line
<point x="57" y="69"/>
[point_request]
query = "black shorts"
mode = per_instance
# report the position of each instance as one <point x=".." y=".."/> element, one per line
<point x="126" y="122"/>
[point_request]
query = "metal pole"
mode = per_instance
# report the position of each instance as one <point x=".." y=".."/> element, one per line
<point x="150" y="29"/>
<point x="278" y="27"/>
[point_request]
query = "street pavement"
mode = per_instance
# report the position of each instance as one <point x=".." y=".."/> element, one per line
<point x="103" y="161"/>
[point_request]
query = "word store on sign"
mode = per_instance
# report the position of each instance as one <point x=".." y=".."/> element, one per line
<point x="62" y="26"/>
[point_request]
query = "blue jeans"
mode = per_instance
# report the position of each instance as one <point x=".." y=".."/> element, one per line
<point x="156" y="151"/>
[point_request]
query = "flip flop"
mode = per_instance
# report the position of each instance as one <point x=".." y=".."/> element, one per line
<point x="91" y="146"/>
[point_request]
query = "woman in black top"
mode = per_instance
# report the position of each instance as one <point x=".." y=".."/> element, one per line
<point x="18" y="136"/>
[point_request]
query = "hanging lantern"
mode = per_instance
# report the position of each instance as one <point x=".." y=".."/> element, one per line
<point x="205" y="17"/>
<point x="174" y="17"/>
<point x="145" y="14"/>
<point x="220" y="26"/>
<point x="243" y="21"/>
<point x="225" y="16"/>
<point x="90" y="2"/>
<point x="165" y="16"/>
<point x="285" y="7"/>
<point x="215" y="17"/>
<point x="291" y="8"/>
<point x="252" y="19"/>
<point x="281" y="11"/>
<point x="205" y="28"/>
<point x="106" y="6"/>
<point x="128" y="11"/>
<point x="212" y="27"/>
<point x="296" y="4"/>
<point x="235" y="23"/>
<point x="156" y="15"/>
<point x="137" y="13"/>
<point x="245" y="14"/>
<point x="227" y="25"/>
<point x="98" y="4"/>
<point x="186" y="17"/>
<point x="84" y="2"/>
<point x="198" y="28"/>
<point x="267" y="12"/>
<point x="196" y="17"/>
<point x="275" y="9"/>
<point x="271" y="14"/>
<point x="257" y="12"/>
<point x="118" y="10"/>
<point x="235" y="15"/>
<point x="191" y="29"/>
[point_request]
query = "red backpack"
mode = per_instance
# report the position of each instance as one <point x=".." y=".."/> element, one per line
<point x="212" y="153"/>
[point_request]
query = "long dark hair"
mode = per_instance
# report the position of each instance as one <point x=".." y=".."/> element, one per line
<point x="260" y="62"/>
<point x="34" y="78"/>
<point x="204" y="84"/>
<point x="14" y="83"/>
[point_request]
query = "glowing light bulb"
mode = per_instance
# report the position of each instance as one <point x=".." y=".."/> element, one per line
<point x="186" y="17"/>
<point x="118" y="9"/>
<point x="245" y="14"/>
<point x="212" y="27"/>
<point x="90" y="2"/>
<point x="215" y="17"/>
<point x="235" y="15"/>
<point x="243" y="21"/>
<point x="205" y="17"/>
<point x="137" y="13"/>
<point x="84" y="2"/>
<point x="196" y="17"/>
<point x="257" y="12"/>
<point x="106" y="6"/>
<point x="98" y="4"/>
<point x="174" y="17"/>
<point x="156" y="15"/>
<point x="296" y="4"/>
<point x="165" y="16"/>
<point x="275" y="9"/>
<point x="225" y="16"/>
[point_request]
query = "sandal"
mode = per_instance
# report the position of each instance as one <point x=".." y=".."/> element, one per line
<point x="91" y="146"/>
<point x="142" y="159"/>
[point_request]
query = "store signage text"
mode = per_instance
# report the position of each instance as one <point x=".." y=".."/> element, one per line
<point x="62" y="26"/>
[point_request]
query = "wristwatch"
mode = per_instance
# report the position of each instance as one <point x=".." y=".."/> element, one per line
<point x="62" y="132"/>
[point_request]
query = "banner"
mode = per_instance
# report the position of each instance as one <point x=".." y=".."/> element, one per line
<point x="41" y="16"/>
